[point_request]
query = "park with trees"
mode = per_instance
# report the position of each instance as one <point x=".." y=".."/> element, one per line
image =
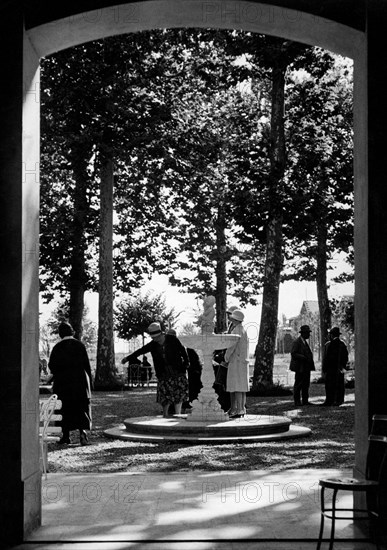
<point x="222" y="159"/>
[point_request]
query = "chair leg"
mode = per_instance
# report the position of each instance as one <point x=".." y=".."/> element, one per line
<point x="44" y="458"/>
<point x="374" y="528"/>
<point x="333" y="519"/>
<point x="322" y="519"/>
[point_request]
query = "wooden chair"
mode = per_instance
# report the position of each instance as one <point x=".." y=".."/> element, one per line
<point x="48" y="430"/>
<point x="374" y="486"/>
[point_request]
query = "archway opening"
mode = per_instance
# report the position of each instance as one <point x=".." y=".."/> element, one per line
<point x="281" y="22"/>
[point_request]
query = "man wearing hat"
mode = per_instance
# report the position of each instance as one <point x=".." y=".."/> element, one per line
<point x="302" y="364"/>
<point x="170" y="361"/>
<point x="334" y="364"/>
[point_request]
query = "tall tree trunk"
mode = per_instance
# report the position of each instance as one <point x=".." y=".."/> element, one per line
<point x="77" y="278"/>
<point x="321" y="278"/>
<point x="220" y="271"/>
<point x="265" y="350"/>
<point x="106" y="372"/>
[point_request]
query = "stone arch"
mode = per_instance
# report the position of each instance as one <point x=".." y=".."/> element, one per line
<point x="240" y="14"/>
<point x="56" y="35"/>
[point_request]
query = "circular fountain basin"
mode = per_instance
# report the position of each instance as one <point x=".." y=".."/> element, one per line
<point x="250" y="428"/>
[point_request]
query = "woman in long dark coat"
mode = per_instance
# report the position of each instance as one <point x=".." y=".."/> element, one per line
<point x="70" y="366"/>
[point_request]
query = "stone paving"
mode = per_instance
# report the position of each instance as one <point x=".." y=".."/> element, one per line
<point x="190" y="510"/>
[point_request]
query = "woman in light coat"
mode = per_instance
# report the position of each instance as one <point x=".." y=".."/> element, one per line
<point x="237" y="360"/>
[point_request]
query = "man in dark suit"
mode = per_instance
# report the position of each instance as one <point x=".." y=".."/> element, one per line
<point x="302" y="364"/>
<point x="333" y="367"/>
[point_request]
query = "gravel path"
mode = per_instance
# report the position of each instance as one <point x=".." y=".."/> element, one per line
<point x="331" y="444"/>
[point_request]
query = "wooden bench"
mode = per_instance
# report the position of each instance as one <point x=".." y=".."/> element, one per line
<point x="48" y="428"/>
<point x="139" y="374"/>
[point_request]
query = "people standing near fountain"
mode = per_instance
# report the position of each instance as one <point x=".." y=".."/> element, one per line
<point x="220" y="371"/>
<point x="237" y="360"/>
<point x="194" y="374"/>
<point x="301" y="364"/>
<point x="170" y="361"/>
<point x="334" y="365"/>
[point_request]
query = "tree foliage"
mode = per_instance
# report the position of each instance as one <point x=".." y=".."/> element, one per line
<point x="344" y="313"/>
<point x="49" y="330"/>
<point x="320" y="135"/>
<point x="134" y="315"/>
<point x="207" y="182"/>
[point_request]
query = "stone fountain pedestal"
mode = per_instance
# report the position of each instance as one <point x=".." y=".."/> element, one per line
<point x="207" y="422"/>
<point x="206" y="407"/>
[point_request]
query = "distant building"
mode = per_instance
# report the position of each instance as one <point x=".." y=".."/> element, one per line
<point x="309" y="309"/>
<point x="309" y="315"/>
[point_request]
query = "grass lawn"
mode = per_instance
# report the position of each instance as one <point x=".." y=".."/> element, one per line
<point x="331" y="444"/>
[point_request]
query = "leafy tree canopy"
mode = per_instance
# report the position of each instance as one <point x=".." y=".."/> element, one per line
<point x="134" y="315"/>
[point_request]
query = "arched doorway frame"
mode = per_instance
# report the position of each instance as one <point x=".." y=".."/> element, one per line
<point x="132" y="17"/>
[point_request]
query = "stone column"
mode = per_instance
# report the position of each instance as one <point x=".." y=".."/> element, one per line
<point x="206" y="407"/>
<point x="370" y="232"/>
<point x="370" y="228"/>
<point x="19" y="112"/>
<point x="31" y="474"/>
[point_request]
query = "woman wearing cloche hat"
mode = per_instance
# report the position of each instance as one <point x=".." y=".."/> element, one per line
<point x="237" y="361"/>
<point x="230" y="324"/>
<point x="170" y="361"/>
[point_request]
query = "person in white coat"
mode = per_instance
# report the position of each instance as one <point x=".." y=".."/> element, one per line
<point x="237" y="361"/>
